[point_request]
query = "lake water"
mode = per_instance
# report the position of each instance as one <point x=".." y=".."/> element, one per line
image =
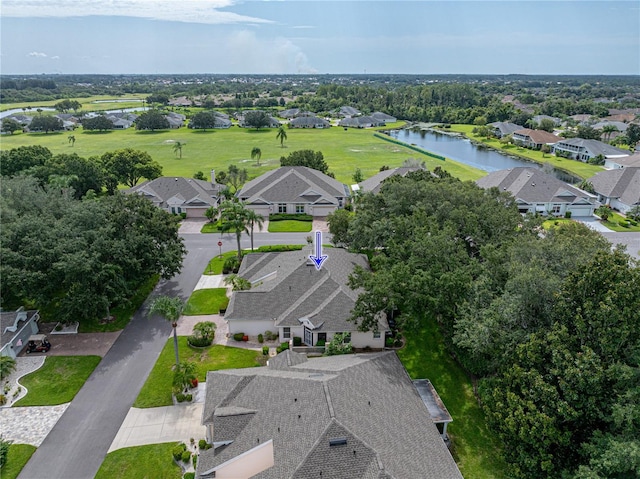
<point x="463" y="151"/>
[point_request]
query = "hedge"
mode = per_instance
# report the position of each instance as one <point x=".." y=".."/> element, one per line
<point x="278" y="248"/>
<point x="290" y="216"/>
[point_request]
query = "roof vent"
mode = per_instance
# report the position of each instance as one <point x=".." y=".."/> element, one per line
<point x="338" y="441"/>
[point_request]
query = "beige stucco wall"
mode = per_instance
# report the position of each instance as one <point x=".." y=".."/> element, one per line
<point x="248" y="464"/>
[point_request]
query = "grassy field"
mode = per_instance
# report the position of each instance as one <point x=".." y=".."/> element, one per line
<point x="344" y="151"/>
<point x="88" y="103"/>
<point x="475" y="449"/>
<point x="583" y="170"/>
<point x="17" y="458"/>
<point x="156" y="391"/>
<point x="290" y="226"/>
<point x="206" y="301"/>
<point x="141" y="462"/>
<point x="58" y="381"/>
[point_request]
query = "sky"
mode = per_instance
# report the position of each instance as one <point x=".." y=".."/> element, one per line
<point x="318" y="36"/>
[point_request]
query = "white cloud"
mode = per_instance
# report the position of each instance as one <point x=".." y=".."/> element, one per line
<point x="55" y="57"/>
<point x="303" y="27"/>
<point x="190" y="11"/>
<point x="37" y="54"/>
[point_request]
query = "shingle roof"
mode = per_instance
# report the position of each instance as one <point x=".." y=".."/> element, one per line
<point x="309" y="121"/>
<point x="11" y="322"/>
<point x="193" y="192"/>
<point x="349" y="111"/>
<point x="374" y="183"/>
<point x="288" y="288"/>
<point x="360" y="121"/>
<point x="533" y="186"/>
<point x="538" y="136"/>
<point x="293" y="184"/>
<point x="505" y="127"/>
<point x="594" y="147"/>
<point x="378" y="115"/>
<point x="366" y="399"/>
<point x="622" y="183"/>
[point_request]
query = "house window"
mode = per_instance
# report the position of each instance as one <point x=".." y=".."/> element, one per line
<point x="282" y="208"/>
<point x="299" y="208"/>
<point x="376" y="335"/>
<point x="179" y="210"/>
<point x="347" y="338"/>
<point x="286" y="333"/>
<point x="556" y="209"/>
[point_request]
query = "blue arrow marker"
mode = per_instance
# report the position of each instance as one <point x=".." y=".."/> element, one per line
<point x="319" y="258"/>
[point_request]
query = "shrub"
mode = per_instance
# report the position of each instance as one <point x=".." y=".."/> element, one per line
<point x="260" y="338"/>
<point x="338" y="346"/>
<point x="4" y="450"/>
<point x="633" y="223"/>
<point x="3" y="399"/>
<point x="202" y="444"/>
<point x="283" y="347"/>
<point x="190" y="475"/>
<point x="279" y="248"/>
<point x="238" y="336"/>
<point x="297" y="341"/>
<point x="265" y="350"/>
<point x="205" y="329"/>
<point x="198" y="342"/>
<point x="231" y="265"/>
<point x="183" y="215"/>
<point x="623" y="223"/>
<point x="321" y="342"/>
<point x="290" y="216"/>
<point x="188" y="397"/>
<point x="186" y="456"/>
<point x="388" y="342"/>
<point x="183" y="374"/>
<point x="180" y="397"/>
<point x="270" y="335"/>
<point x="194" y="459"/>
<point x="7" y="366"/>
<point x="177" y="450"/>
<point x="567" y="214"/>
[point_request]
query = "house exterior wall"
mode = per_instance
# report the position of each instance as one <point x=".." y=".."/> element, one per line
<point x="250" y="327"/>
<point x="195" y="212"/>
<point x="10" y="349"/>
<point x="263" y="210"/>
<point x="360" y="339"/>
<point x="616" y="204"/>
<point x="321" y="210"/>
<point x="295" y="331"/>
<point x="248" y="464"/>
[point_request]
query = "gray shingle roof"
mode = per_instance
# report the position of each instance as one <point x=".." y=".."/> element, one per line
<point x="505" y="127"/>
<point x="193" y="192"/>
<point x="532" y="186"/>
<point x="374" y="183"/>
<point x="368" y="399"/>
<point x="361" y="122"/>
<point x="622" y="183"/>
<point x="293" y="184"/>
<point x="593" y="147"/>
<point x="11" y="322"/>
<point x="378" y="115"/>
<point x="309" y="122"/>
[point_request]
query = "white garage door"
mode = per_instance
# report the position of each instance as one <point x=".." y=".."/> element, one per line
<point x="580" y="211"/>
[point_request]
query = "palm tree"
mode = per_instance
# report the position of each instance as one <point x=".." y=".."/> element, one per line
<point x="234" y="218"/>
<point x="171" y="310"/>
<point x="72" y="139"/>
<point x="607" y="130"/>
<point x="282" y="135"/>
<point x="177" y="148"/>
<point x="254" y="218"/>
<point x="256" y="154"/>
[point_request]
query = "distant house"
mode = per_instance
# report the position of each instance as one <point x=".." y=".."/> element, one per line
<point x="361" y="122"/>
<point x="583" y="150"/>
<point x="181" y="195"/>
<point x="582" y="118"/>
<point x="24" y="120"/>
<point x="623" y="162"/>
<point x="503" y="128"/>
<point x="534" y="139"/>
<point x="175" y="120"/>
<point x="16" y="327"/>
<point x="309" y="122"/>
<point x="374" y="184"/>
<point x="120" y="123"/>
<point x="538" y="192"/>
<point x="273" y="123"/>
<point x="290" y="296"/>
<point x="339" y="417"/>
<point x="294" y="189"/>
<point x="378" y="115"/>
<point x="619" y="188"/>
<point x="348" y="112"/>
<point x="180" y="101"/>
<point x="538" y="119"/>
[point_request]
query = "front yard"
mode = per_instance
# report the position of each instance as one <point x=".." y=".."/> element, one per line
<point x="206" y="301"/>
<point x="613" y="223"/>
<point x="290" y="226"/>
<point x="142" y="462"/>
<point x="17" y="458"/>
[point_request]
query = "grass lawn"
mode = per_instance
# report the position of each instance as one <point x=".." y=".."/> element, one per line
<point x="474" y="449"/>
<point x="58" y="380"/>
<point x="206" y="301"/>
<point x="548" y="224"/>
<point x="17" y="458"/>
<point x="211" y="227"/>
<point x="107" y="102"/>
<point x="344" y="151"/>
<point x="217" y="262"/>
<point x="290" y="226"/>
<point x="578" y="168"/>
<point x="612" y="224"/>
<point x="156" y="391"/>
<point x="141" y="462"/>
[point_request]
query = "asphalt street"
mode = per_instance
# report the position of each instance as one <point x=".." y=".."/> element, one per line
<point x="77" y="445"/>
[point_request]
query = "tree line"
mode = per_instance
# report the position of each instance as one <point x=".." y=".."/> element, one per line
<point x="548" y="322"/>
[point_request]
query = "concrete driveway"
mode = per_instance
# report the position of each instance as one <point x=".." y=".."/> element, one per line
<point x="593" y="223"/>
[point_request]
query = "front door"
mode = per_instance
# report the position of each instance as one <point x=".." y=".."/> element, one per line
<point x="308" y="337"/>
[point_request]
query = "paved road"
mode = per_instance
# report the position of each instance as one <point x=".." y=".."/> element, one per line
<point x="78" y="443"/>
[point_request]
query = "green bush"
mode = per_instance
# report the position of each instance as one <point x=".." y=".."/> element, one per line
<point x="265" y="350"/>
<point x="567" y="214"/>
<point x="231" y="265"/>
<point x="337" y="345"/>
<point x="188" y="397"/>
<point x="177" y="450"/>
<point x="297" y="341"/>
<point x="238" y="336"/>
<point x="289" y="216"/>
<point x="321" y="342"/>
<point x="278" y="248"/>
<point x="3" y="399"/>
<point x="194" y="460"/>
<point x="270" y="336"/>
<point x="4" y="450"/>
<point x="624" y="223"/>
<point x="283" y="347"/>
<point x="7" y="366"/>
<point x="198" y="342"/>
<point x="190" y="475"/>
<point x="633" y="223"/>
<point x="186" y="456"/>
<point x="180" y="397"/>
<point x="388" y="342"/>
<point x="202" y="444"/>
<point x="260" y="338"/>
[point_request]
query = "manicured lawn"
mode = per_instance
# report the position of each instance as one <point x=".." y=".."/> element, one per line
<point x="17" y="458"/>
<point x="88" y="103"/>
<point x="206" y="301"/>
<point x="211" y="227"/>
<point x="156" y="391"/>
<point x="217" y="262"/>
<point x="548" y="224"/>
<point x="475" y="450"/>
<point x="578" y="168"/>
<point x="612" y="224"/>
<point x="141" y="462"/>
<point x="290" y="226"/>
<point x="58" y="381"/>
<point x="344" y="151"/>
<point x="122" y="313"/>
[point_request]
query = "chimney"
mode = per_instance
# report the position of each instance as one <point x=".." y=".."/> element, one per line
<point x="213" y="177"/>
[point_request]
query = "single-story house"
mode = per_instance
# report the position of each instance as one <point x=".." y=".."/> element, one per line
<point x="361" y="122"/>
<point x="273" y="123"/>
<point x="538" y="119"/>
<point x="24" y="120"/>
<point x="174" y="122"/>
<point x="623" y="162"/>
<point x="538" y="192"/>
<point x="309" y="122"/>
<point x="503" y="128"/>
<point x="583" y="150"/>
<point x="348" y="112"/>
<point x="290" y="113"/>
<point x="378" y="115"/>
<point x="181" y="195"/>
<point x="16" y="328"/>
<point x="339" y="417"/>
<point x="619" y="188"/>
<point x="120" y="123"/>
<point x="290" y="296"/>
<point x="374" y="184"/>
<point x="294" y="189"/>
<point x="534" y="139"/>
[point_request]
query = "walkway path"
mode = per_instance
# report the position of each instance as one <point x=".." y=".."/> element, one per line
<point x="30" y="425"/>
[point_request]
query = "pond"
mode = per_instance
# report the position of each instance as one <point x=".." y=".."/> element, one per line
<point x="462" y="150"/>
